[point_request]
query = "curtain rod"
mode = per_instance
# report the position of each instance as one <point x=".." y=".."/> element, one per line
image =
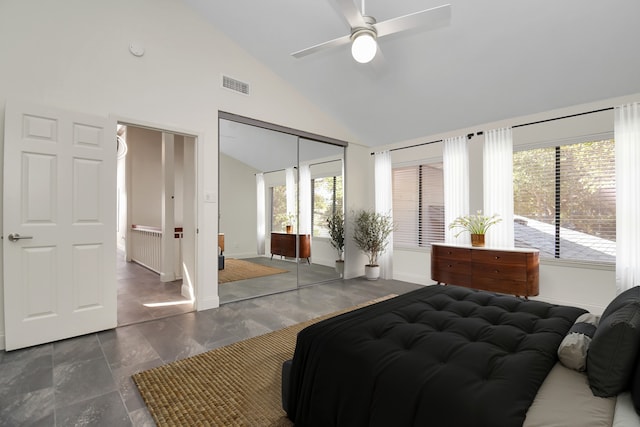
<point x="326" y="161"/>
<point x="469" y="136"/>
<point x="412" y="146"/>
<point x="274" y="171"/>
<point x="563" y="117"/>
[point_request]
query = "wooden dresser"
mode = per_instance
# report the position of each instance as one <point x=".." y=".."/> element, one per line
<point x="284" y="244"/>
<point x="508" y="271"/>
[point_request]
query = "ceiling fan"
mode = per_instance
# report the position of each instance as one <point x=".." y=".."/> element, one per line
<point x="365" y="30"/>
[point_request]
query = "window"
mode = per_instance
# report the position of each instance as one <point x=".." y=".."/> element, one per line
<point x="564" y="200"/>
<point x="327" y="199"/>
<point x="418" y="205"/>
<point x="278" y="208"/>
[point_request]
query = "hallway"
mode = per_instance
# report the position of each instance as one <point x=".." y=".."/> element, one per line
<point x="142" y="296"/>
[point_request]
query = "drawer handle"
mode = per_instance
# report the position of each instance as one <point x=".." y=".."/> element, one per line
<point x="449" y="253"/>
<point x="450" y="265"/>
<point x="496" y="271"/>
<point x="497" y="257"/>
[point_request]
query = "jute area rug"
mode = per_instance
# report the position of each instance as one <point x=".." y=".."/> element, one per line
<point x="237" y="269"/>
<point x="236" y="385"/>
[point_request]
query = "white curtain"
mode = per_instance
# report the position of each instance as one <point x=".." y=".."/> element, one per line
<point x="455" y="159"/>
<point x="304" y="223"/>
<point x="261" y="209"/>
<point x="290" y="181"/>
<point x="498" y="186"/>
<point x="627" y="140"/>
<point x="384" y="205"/>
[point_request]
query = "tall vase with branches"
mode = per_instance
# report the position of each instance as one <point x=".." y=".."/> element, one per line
<point x="370" y="235"/>
<point x="335" y="224"/>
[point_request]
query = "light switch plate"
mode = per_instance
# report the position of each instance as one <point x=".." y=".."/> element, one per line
<point x="210" y="197"/>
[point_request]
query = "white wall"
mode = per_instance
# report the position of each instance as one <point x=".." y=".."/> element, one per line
<point x="358" y="189"/>
<point x="73" y="54"/>
<point x="238" y="212"/>
<point x="562" y="282"/>
<point x="179" y="178"/>
<point x="145" y="153"/>
<point x="121" y="185"/>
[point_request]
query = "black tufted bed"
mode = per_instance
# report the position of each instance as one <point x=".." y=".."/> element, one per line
<point x="437" y="356"/>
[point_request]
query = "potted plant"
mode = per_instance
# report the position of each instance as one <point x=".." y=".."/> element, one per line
<point x="370" y="234"/>
<point x="287" y="221"/>
<point x="477" y="226"/>
<point x="335" y="224"/>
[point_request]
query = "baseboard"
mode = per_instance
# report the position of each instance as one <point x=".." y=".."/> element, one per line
<point x="240" y="255"/>
<point x="207" y="303"/>
<point x="164" y="277"/>
<point x="413" y="278"/>
<point x="186" y="291"/>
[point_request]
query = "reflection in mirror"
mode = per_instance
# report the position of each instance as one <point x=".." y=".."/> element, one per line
<point x="253" y="168"/>
<point x="273" y="232"/>
<point x="321" y="196"/>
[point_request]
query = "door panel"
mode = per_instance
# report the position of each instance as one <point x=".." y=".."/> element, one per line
<point x="40" y="282"/>
<point x="59" y="197"/>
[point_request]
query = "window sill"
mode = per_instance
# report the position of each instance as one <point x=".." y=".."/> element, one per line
<point x="421" y="250"/>
<point x="591" y="265"/>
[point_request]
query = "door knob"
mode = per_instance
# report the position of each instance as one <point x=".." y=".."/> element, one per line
<point x="15" y="237"/>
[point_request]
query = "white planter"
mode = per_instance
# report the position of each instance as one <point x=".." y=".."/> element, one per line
<point x="340" y="267"/>
<point x="372" y="272"/>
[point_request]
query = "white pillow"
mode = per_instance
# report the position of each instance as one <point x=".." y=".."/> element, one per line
<point x="573" y="348"/>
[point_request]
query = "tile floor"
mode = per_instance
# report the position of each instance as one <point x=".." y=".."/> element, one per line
<point x="299" y="272"/>
<point x="142" y="296"/>
<point x="86" y="381"/>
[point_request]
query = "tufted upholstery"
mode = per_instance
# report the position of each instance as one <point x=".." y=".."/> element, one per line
<point x="441" y="355"/>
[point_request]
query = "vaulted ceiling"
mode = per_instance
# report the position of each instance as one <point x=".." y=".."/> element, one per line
<point x="495" y="59"/>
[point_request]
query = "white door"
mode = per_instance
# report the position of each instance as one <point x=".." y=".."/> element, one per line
<point x="58" y="224"/>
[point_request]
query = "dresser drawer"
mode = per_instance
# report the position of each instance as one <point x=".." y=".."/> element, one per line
<point x="451" y="271"/>
<point x="496" y="284"/>
<point x="499" y="257"/>
<point x="454" y="278"/>
<point x="450" y="253"/>
<point x="508" y="272"/>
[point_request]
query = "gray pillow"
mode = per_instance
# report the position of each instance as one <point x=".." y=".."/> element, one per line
<point x="613" y="351"/>
<point x="629" y="296"/>
<point x="573" y="348"/>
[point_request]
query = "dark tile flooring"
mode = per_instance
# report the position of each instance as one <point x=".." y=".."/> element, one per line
<point x="298" y="273"/>
<point x="86" y="381"/>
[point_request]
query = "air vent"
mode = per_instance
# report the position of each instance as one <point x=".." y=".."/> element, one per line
<point x="235" y="85"/>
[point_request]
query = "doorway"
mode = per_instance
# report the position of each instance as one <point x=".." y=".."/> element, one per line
<point x="156" y="178"/>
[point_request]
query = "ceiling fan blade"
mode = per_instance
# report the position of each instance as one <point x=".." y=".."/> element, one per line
<point x="350" y="12"/>
<point x="430" y="18"/>
<point x="322" y="46"/>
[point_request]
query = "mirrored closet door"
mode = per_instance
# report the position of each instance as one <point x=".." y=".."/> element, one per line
<point x="277" y="189"/>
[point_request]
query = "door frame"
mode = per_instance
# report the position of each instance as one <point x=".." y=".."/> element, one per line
<point x="199" y="138"/>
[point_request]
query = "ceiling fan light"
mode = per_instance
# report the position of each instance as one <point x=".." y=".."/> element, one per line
<point x="364" y="47"/>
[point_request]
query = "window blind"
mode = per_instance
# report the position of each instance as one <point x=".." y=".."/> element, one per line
<point x="418" y="205"/>
<point x="564" y="200"/>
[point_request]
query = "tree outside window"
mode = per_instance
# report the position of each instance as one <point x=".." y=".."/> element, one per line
<point x="327" y="199"/>
<point x="564" y="200"/>
<point x="278" y="208"/>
